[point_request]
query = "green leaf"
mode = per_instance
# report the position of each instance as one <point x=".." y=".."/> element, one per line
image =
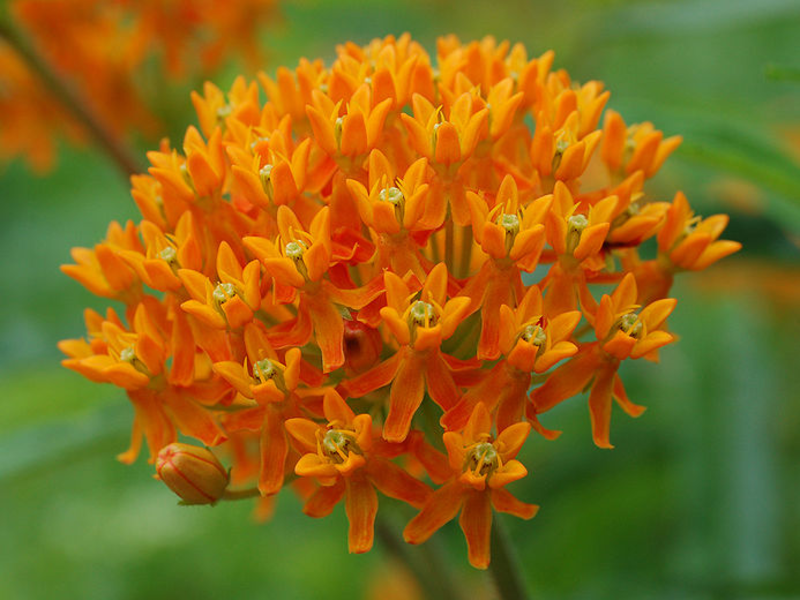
<point x="35" y="449"/>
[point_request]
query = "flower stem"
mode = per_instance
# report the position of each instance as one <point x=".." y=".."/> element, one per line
<point x="69" y="97"/>
<point x="424" y="562"/>
<point x="241" y="494"/>
<point x="505" y="567"/>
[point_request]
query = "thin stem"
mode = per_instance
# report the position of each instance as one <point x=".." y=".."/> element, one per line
<point x="241" y="494"/>
<point x="424" y="563"/>
<point x="466" y="251"/>
<point x="449" y="244"/>
<point x="505" y="567"/>
<point x="69" y="98"/>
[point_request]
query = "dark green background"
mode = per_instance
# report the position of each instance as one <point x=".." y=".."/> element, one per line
<point x="698" y="500"/>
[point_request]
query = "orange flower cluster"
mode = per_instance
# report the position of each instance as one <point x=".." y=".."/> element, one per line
<point x="103" y="49"/>
<point x="353" y="286"/>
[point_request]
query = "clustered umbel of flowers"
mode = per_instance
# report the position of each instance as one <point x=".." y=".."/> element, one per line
<point x="107" y="50"/>
<point x="353" y="287"/>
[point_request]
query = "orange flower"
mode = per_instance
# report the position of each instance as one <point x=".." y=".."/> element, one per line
<point x="300" y="259"/>
<point x="101" y="49"/>
<point x="529" y="342"/>
<point x="691" y="243"/>
<point x="621" y="334"/>
<point x="636" y="148"/>
<point x="340" y="456"/>
<point x="351" y="133"/>
<point x="102" y="271"/>
<point x="419" y="326"/>
<point x="390" y="230"/>
<point x="513" y="237"/>
<point x="481" y="467"/>
<point x="229" y="303"/>
<point x="395" y="210"/>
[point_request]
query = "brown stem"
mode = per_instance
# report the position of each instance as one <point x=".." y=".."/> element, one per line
<point x="69" y="97"/>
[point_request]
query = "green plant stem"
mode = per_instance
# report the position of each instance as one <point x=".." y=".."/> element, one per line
<point x="241" y="494"/>
<point x="505" y="567"/>
<point x="424" y="562"/>
<point x="449" y="244"/>
<point x="69" y="98"/>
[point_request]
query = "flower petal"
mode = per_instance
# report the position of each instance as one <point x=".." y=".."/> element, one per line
<point x="441" y="508"/>
<point x="503" y="501"/>
<point x="361" y="505"/>
<point x="476" y="523"/>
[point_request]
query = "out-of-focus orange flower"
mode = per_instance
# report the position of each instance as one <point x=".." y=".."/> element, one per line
<point x="100" y="49"/>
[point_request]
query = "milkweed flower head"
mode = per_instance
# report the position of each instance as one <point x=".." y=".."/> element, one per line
<point x="373" y="283"/>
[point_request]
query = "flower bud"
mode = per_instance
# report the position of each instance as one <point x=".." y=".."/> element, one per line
<point x="362" y="347"/>
<point x="193" y="473"/>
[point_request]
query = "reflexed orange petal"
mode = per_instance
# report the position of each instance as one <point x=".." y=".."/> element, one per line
<point x="441" y="508"/>
<point x="503" y="501"/>
<point x="329" y="332"/>
<point x="567" y="380"/>
<point x="476" y="523"/>
<point x="322" y="501"/>
<point x="361" y="506"/>
<point x="394" y="482"/>
<point x="405" y="397"/>
<point x="621" y="396"/>
<point x="380" y="375"/>
<point x="274" y="448"/>
<point x="192" y="419"/>
<point x="600" y="406"/>
<point x="439" y="381"/>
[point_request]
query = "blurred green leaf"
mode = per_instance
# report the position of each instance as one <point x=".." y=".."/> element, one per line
<point x="782" y="73"/>
<point x="676" y="19"/>
<point x="37" y="448"/>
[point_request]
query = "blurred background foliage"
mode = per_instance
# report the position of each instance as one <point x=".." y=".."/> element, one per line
<point x="698" y="500"/>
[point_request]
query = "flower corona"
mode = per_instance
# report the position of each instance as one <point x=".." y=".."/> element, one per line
<point x="380" y="280"/>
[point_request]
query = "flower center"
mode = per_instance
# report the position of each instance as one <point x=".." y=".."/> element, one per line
<point x="264" y="370"/>
<point x="630" y="324"/>
<point x="422" y="313"/>
<point x="575" y="226"/>
<point x="534" y="335"/>
<point x="127" y="355"/>
<point x="224" y="292"/>
<point x="482" y="459"/>
<point x="510" y="223"/>
<point x="295" y="250"/>
<point x="392" y="195"/>
<point x="224" y="111"/>
<point x="337" y="444"/>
